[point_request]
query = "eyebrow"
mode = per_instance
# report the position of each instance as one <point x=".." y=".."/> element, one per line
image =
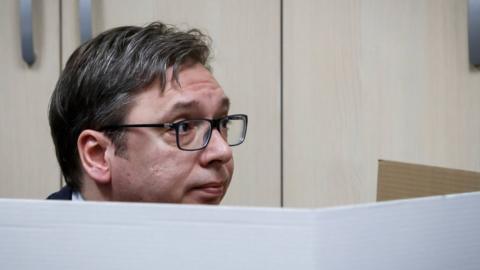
<point x="225" y="103"/>
<point x="188" y="105"/>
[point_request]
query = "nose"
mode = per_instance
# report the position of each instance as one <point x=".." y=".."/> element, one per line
<point x="217" y="149"/>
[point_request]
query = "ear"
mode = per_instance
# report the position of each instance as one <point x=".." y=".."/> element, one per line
<point x="92" y="148"/>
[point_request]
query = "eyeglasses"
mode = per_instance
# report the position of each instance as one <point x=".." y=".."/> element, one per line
<point x="195" y="134"/>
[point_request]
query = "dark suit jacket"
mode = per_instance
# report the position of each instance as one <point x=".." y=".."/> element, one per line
<point x="63" y="194"/>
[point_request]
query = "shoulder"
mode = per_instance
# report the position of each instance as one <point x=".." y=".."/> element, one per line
<point x="63" y="194"/>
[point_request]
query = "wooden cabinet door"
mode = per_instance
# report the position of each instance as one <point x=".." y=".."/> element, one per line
<point x="246" y="46"/>
<point x="28" y="168"/>
<point x="369" y="80"/>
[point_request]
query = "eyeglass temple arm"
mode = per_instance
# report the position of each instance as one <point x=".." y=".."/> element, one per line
<point x="113" y="127"/>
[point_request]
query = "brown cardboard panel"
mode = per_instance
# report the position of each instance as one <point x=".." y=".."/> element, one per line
<point x="399" y="180"/>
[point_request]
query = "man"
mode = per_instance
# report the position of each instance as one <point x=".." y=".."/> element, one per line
<point x="137" y="116"/>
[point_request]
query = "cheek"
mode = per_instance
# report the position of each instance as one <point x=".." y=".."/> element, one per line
<point x="168" y="174"/>
<point x="230" y="167"/>
<point x="156" y="160"/>
<point x="151" y="171"/>
<point x="168" y="169"/>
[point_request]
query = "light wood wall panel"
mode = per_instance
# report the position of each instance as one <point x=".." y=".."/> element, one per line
<point x="246" y="42"/>
<point x="374" y="79"/>
<point x="27" y="158"/>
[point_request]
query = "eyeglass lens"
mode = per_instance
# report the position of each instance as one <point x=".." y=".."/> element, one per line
<point x="195" y="134"/>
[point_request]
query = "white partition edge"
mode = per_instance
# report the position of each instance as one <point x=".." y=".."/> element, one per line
<point x="430" y="233"/>
<point x="441" y="232"/>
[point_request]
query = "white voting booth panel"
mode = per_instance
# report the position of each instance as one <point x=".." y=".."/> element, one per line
<point x="429" y="233"/>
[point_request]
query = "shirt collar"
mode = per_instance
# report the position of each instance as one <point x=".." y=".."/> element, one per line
<point x="77" y="196"/>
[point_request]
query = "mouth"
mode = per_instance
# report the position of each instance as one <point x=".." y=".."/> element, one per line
<point x="211" y="189"/>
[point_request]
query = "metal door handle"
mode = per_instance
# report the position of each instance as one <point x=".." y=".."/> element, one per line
<point x="474" y="31"/>
<point x="85" y="9"/>
<point x="28" y="53"/>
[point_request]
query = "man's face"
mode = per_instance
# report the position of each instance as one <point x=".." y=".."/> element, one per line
<point x="153" y="169"/>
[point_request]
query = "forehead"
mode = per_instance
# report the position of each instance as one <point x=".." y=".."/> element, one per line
<point x="190" y="77"/>
<point x="196" y="91"/>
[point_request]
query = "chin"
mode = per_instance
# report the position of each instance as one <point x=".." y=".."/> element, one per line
<point x="215" y="202"/>
<point x="206" y="201"/>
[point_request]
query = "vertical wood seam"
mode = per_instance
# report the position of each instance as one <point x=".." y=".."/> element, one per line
<point x="281" y="109"/>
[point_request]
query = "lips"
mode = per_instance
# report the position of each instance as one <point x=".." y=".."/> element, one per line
<point x="212" y="189"/>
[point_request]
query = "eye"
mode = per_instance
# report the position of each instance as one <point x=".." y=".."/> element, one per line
<point x="225" y="123"/>
<point x="185" y="127"/>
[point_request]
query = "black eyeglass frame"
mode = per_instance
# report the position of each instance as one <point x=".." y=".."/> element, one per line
<point x="214" y="123"/>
